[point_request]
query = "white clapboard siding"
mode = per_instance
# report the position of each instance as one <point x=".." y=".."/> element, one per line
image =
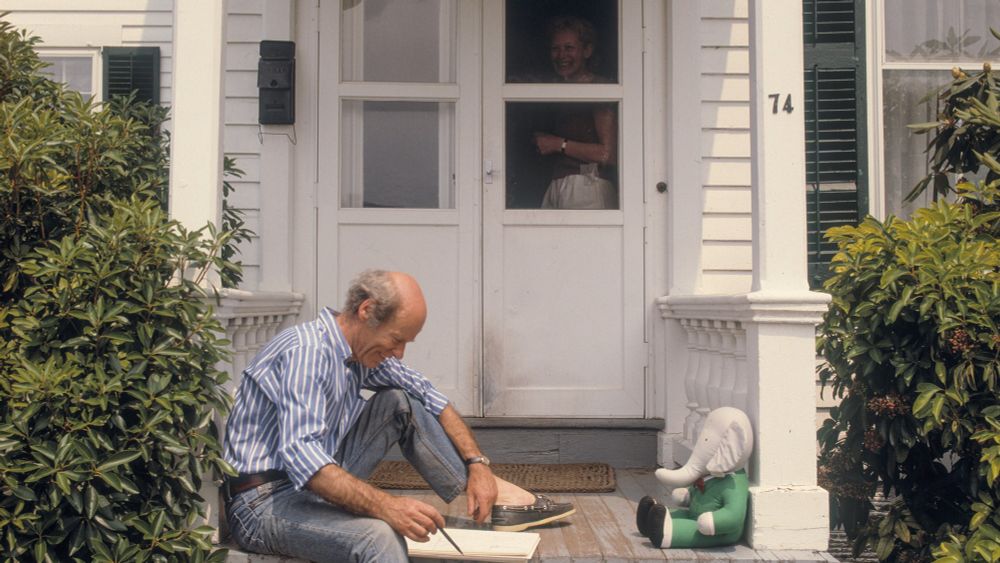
<point x="92" y="24"/>
<point x="724" y="82"/>
<point x="244" y="31"/>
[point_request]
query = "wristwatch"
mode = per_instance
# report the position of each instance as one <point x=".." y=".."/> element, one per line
<point x="562" y="149"/>
<point x="478" y="459"/>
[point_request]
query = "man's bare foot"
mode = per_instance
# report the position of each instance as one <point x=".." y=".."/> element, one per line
<point x="509" y="493"/>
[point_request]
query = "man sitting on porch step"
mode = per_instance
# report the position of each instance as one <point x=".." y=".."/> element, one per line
<point x="303" y="438"/>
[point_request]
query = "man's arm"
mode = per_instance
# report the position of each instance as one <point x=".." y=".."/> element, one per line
<point x="408" y="517"/>
<point x="481" y="489"/>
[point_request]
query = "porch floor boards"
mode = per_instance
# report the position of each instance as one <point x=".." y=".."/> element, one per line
<point x="603" y="529"/>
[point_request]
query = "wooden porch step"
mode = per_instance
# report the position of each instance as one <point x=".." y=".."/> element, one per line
<point x="603" y="529"/>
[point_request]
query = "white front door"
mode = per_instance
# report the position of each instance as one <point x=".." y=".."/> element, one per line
<point x="398" y="172"/>
<point x="425" y="115"/>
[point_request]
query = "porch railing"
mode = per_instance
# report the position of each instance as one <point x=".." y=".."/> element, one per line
<point x="251" y="318"/>
<point x="715" y="372"/>
<point x="714" y="367"/>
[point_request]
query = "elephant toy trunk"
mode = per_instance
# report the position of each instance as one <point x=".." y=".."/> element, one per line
<point x="682" y="477"/>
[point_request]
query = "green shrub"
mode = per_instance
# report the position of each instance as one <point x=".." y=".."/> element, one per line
<point x="108" y="350"/>
<point x="911" y="346"/>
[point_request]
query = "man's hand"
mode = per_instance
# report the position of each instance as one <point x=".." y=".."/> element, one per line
<point x="411" y="518"/>
<point x="481" y="492"/>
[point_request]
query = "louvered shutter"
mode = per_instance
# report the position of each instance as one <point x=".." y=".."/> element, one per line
<point x="835" y="110"/>
<point x="132" y="68"/>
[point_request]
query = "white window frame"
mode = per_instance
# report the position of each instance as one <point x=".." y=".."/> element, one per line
<point x="92" y="53"/>
<point x="877" y="64"/>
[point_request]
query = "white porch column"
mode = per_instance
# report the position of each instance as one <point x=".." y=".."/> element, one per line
<point x="788" y="509"/>
<point x="196" y="134"/>
<point x="196" y="112"/>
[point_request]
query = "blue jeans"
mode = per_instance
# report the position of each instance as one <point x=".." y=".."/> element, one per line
<point x="276" y="519"/>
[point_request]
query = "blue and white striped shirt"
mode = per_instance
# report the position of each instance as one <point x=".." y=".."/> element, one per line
<point x="300" y="396"/>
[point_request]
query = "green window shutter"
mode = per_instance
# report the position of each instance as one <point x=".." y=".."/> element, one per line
<point x="835" y="117"/>
<point x="132" y="68"/>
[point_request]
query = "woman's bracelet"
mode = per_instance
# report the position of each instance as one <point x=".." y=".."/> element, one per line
<point x="562" y="149"/>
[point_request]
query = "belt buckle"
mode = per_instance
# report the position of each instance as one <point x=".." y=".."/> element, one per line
<point x="266" y="488"/>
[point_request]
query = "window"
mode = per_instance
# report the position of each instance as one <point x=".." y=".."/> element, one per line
<point x="121" y="71"/>
<point x="923" y="40"/>
<point x="75" y="69"/>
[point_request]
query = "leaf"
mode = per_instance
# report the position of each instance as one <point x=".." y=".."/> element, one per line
<point x="119" y="459"/>
<point x="24" y="493"/>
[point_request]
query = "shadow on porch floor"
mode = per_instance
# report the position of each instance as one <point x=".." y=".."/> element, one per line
<point x="603" y="529"/>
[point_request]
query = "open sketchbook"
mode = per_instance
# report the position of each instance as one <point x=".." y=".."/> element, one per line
<point x="477" y="545"/>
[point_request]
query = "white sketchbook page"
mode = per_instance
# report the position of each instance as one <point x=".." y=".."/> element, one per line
<point x="477" y="543"/>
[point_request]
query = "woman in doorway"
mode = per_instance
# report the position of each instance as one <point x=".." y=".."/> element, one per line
<point x="584" y="139"/>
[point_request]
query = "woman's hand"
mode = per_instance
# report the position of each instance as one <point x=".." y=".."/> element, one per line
<point x="547" y="143"/>
<point x="481" y="492"/>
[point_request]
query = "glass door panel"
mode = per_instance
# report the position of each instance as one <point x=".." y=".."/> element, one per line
<point x="397" y="154"/>
<point x="398" y="41"/>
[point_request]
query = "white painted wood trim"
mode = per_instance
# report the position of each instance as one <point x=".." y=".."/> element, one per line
<point x="875" y="42"/>
<point x="402" y="91"/>
<point x="655" y="143"/>
<point x="306" y="157"/>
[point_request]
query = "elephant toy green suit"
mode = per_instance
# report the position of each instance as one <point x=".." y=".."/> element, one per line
<point x="712" y="487"/>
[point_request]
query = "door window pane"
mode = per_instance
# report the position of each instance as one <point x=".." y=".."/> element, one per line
<point x="562" y="155"/>
<point x="398" y="40"/>
<point x="940" y="30"/>
<point x="397" y="154"/>
<point x="74" y="72"/>
<point x="905" y="158"/>
<point x="562" y="41"/>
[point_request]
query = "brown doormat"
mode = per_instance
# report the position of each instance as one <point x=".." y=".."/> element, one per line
<point x="534" y="477"/>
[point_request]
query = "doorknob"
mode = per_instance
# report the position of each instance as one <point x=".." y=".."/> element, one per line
<point x="488" y="171"/>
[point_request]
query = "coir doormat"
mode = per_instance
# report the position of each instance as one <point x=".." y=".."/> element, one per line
<point x="534" y="477"/>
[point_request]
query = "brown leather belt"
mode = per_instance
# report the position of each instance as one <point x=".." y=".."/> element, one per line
<point x="246" y="481"/>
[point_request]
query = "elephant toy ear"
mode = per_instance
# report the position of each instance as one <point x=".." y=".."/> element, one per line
<point x="734" y="450"/>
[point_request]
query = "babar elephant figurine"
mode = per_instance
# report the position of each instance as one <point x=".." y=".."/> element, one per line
<point x="712" y="485"/>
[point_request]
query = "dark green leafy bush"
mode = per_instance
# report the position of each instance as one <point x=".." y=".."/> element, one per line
<point x="108" y="349"/>
<point x="911" y="344"/>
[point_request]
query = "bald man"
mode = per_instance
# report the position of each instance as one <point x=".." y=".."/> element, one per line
<point x="304" y="440"/>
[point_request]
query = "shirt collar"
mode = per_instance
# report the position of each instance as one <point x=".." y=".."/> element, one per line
<point x="341" y="349"/>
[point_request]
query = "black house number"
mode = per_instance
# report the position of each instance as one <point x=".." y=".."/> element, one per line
<point x="787" y="107"/>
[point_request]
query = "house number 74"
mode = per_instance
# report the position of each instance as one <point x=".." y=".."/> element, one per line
<point x="787" y="107"/>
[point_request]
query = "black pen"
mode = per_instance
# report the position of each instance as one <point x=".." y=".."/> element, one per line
<point x="447" y="537"/>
